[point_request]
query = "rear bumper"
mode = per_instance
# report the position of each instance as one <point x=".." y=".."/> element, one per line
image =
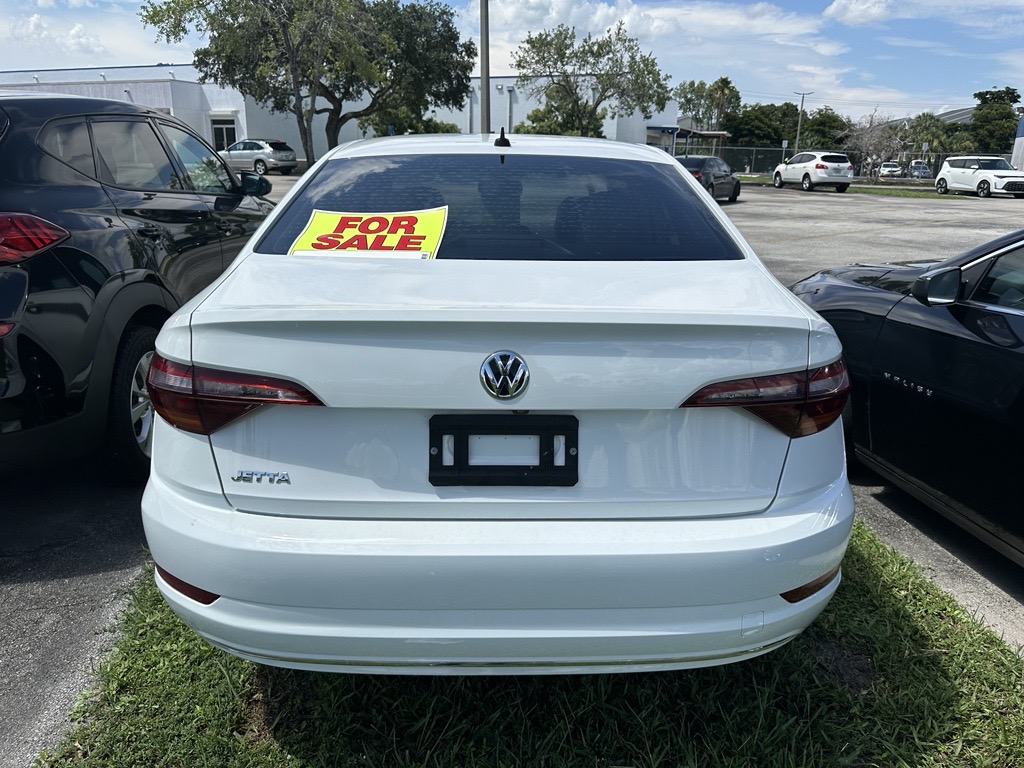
<point x="496" y="597"/>
<point x="276" y="165"/>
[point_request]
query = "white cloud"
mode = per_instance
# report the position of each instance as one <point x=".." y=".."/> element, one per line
<point x="35" y="32"/>
<point x="857" y="12"/>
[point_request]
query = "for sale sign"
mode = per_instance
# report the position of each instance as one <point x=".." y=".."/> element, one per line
<point x="408" y="234"/>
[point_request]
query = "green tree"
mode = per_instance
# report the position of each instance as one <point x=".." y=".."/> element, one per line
<point x="289" y="54"/>
<point x="709" y="106"/>
<point x="825" y="128"/>
<point x="413" y="59"/>
<point x="402" y="120"/>
<point x="762" y="125"/>
<point x="554" y="119"/>
<point x="994" y="121"/>
<point x="580" y="79"/>
<point x="926" y="128"/>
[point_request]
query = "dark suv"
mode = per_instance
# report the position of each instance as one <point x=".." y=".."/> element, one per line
<point x="112" y="216"/>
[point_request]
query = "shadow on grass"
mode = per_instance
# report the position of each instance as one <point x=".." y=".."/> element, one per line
<point x="869" y="683"/>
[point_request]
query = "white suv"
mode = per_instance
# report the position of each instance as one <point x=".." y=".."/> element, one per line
<point x="890" y="171"/>
<point x="815" y="169"/>
<point x="983" y="175"/>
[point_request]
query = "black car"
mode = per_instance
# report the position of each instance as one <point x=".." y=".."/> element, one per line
<point x="112" y="216"/>
<point x="714" y="175"/>
<point x="936" y="355"/>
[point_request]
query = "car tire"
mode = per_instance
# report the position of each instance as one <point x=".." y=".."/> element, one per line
<point x="842" y="187"/>
<point x="260" y="166"/>
<point x="711" y="189"/>
<point x="805" y="183"/>
<point x="940" y="187"/>
<point x="778" y="182"/>
<point x="1018" y="195"/>
<point x="735" y="193"/>
<point x="130" y="412"/>
<point x="984" y="189"/>
<point x="285" y="171"/>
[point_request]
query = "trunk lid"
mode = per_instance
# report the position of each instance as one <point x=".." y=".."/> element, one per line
<point x="386" y="344"/>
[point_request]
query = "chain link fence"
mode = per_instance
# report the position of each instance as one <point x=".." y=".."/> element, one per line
<point x="762" y="160"/>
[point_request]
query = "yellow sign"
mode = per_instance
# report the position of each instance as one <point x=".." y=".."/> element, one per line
<point x="411" y="234"/>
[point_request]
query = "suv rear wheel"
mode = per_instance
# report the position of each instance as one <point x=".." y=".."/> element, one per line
<point x="130" y="412"/>
<point x="260" y="167"/>
<point x="805" y="183"/>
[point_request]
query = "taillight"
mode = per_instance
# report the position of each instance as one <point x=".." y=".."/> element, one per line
<point x="696" y="174"/>
<point x="849" y="167"/>
<point x="202" y="400"/>
<point x="22" y="236"/>
<point x="820" y="167"/>
<point x="5" y="328"/>
<point x="798" y="404"/>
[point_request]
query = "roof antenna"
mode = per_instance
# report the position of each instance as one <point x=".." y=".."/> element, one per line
<point x="501" y="141"/>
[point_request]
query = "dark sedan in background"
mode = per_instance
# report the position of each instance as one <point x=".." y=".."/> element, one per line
<point x="714" y="174"/>
<point x="112" y="215"/>
<point x="936" y="354"/>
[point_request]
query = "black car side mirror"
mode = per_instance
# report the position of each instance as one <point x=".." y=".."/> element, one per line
<point x="254" y="184"/>
<point x="937" y="288"/>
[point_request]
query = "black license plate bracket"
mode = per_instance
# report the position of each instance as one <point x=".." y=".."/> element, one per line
<point x="556" y="441"/>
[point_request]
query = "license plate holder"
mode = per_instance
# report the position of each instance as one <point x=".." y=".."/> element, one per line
<point x="453" y="462"/>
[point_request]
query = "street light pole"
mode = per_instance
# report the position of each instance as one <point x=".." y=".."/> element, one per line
<point x="485" y="70"/>
<point x="799" y="117"/>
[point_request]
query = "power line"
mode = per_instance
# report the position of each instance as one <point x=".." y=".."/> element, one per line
<point x="862" y="102"/>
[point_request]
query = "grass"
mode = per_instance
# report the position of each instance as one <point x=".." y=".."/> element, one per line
<point x="925" y="188"/>
<point x="898" y="191"/>
<point x="894" y="673"/>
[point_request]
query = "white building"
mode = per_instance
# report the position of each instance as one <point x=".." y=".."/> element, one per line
<point x="223" y="115"/>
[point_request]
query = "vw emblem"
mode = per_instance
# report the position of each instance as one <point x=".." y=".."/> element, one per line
<point x="504" y="375"/>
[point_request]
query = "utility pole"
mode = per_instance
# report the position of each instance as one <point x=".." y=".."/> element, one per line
<point x="485" y="71"/>
<point x="799" y="116"/>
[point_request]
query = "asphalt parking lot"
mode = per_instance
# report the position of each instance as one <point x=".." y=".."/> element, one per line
<point x="72" y="545"/>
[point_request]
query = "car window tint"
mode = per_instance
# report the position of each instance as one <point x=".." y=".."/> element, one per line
<point x="836" y="159"/>
<point x="236" y="146"/>
<point x="280" y="146"/>
<point x="523" y="206"/>
<point x="995" y="164"/>
<point x="69" y="142"/>
<point x="205" y="170"/>
<point x="1003" y="286"/>
<point x="129" y="154"/>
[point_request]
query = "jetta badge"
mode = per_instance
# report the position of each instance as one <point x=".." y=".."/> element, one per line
<point x="504" y="375"/>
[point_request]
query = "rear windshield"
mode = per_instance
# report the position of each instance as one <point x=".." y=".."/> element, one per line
<point x="280" y="146"/>
<point x="516" y="207"/>
<point x="838" y="159"/>
<point x="693" y="163"/>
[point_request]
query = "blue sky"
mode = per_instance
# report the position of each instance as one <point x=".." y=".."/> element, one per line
<point x="899" y="57"/>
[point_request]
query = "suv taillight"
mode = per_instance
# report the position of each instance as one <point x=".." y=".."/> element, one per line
<point x="202" y="400"/>
<point x="22" y="236"/>
<point x="820" y="167"/>
<point x="798" y="404"/>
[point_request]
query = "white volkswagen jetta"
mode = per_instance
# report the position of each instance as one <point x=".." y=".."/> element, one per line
<point x="467" y="406"/>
